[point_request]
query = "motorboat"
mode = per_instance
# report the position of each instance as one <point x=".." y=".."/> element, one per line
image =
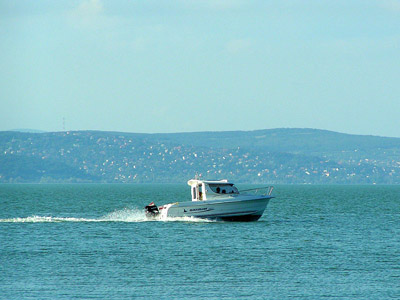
<point x="216" y="200"/>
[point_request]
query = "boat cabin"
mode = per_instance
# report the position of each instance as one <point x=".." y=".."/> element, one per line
<point x="206" y="190"/>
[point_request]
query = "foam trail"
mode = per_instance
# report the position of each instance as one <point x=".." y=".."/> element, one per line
<point x="137" y="215"/>
<point x="45" y="219"/>
<point x="124" y="215"/>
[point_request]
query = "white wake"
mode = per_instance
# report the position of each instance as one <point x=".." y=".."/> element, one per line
<point x="124" y="215"/>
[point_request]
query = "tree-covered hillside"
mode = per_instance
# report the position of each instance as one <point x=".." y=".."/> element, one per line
<point x="262" y="156"/>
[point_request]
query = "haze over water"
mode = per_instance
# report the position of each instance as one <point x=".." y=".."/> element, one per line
<point x="93" y="241"/>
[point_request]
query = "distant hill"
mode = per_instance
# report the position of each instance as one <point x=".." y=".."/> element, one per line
<point x="28" y="130"/>
<point x="260" y="156"/>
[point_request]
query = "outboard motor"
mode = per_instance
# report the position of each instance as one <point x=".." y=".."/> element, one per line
<point x="151" y="210"/>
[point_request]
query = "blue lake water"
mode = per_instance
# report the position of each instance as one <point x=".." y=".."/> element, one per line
<point x="93" y="242"/>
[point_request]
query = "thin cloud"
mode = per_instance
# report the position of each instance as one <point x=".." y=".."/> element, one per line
<point x="89" y="8"/>
<point x="392" y="5"/>
<point x="87" y="13"/>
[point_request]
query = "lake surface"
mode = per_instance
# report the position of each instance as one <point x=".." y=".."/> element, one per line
<point x="93" y="242"/>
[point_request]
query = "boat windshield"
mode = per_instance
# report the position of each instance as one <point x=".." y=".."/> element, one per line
<point x="224" y="188"/>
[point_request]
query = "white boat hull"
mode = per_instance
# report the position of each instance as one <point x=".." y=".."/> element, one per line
<point x="236" y="208"/>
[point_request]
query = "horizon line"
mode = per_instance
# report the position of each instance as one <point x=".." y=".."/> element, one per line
<point x="37" y="131"/>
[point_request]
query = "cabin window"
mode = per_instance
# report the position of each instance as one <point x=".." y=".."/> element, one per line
<point x="194" y="193"/>
<point x="224" y="189"/>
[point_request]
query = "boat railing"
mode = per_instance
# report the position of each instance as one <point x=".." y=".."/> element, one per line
<point x="262" y="191"/>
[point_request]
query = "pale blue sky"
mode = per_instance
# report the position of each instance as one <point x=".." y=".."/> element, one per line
<point x="200" y="65"/>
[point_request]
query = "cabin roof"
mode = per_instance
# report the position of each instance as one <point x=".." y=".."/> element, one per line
<point x="220" y="182"/>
